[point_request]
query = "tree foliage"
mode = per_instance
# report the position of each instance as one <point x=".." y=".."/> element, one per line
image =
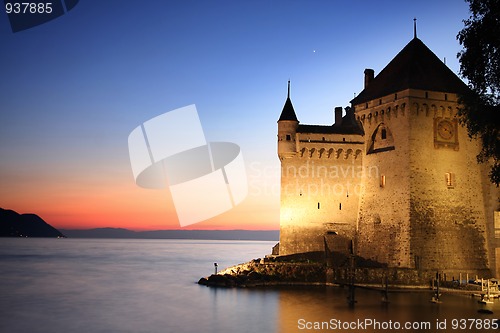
<point x="480" y="65"/>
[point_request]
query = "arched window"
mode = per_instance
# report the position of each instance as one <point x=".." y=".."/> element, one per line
<point x="381" y="140"/>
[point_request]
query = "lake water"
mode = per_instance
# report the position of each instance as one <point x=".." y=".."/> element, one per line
<point x="96" y="285"/>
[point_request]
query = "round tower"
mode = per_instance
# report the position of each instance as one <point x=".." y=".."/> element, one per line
<point x="287" y="128"/>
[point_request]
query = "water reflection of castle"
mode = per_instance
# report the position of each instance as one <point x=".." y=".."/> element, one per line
<point x="396" y="173"/>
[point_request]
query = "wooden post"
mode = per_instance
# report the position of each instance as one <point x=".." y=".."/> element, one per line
<point x="351" y="273"/>
<point x="385" y="297"/>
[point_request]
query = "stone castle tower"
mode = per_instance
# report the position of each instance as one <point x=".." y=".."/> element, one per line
<point x="395" y="179"/>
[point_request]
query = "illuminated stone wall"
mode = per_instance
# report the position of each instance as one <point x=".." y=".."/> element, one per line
<point x="432" y="210"/>
<point x="320" y="184"/>
<point x="383" y="226"/>
<point x="447" y="210"/>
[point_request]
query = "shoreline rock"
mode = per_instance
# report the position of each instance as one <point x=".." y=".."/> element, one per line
<point x="263" y="272"/>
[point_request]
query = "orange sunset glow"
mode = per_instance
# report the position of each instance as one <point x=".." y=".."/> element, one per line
<point x="119" y="203"/>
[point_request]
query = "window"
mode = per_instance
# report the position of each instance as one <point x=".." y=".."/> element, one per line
<point x="450" y="179"/>
<point x="318" y="205"/>
<point x="382" y="181"/>
<point x="340" y="206"/>
<point x="381" y="140"/>
<point x="445" y="97"/>
<point x="288" y="137"/>
<point x="426" y="94"/>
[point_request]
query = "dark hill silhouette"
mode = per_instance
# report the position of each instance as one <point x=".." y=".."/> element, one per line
<point x="13" y="224"/>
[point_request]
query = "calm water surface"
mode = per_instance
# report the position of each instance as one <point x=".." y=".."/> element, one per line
<point x="95" y="285"/>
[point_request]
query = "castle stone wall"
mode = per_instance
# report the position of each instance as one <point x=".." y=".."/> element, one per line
<point x="447" y="211"/>
<point x="320" y="187"/>
<point x="383" y="232"/>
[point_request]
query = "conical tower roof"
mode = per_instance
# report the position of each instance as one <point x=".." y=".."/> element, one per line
<point x="288" y="113"/>
<point x="414" y="67"/>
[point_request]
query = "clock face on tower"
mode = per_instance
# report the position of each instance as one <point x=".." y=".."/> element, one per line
<point x="445" y="129"/>
<point x="445" y="133"/>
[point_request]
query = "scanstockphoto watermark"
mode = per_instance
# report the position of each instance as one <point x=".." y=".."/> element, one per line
<point x="367" y="324"/>
<point x="371" y="324"/>
<point x="308" y="179"/>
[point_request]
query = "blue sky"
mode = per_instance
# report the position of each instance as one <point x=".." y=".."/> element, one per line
<point x="72" y="90"/>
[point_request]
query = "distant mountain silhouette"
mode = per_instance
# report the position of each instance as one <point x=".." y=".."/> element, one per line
<point x="13" y="224"/>
<point x="266" y="235"/>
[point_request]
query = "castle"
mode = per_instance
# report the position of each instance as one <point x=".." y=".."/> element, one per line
<point x="395" y="179"/>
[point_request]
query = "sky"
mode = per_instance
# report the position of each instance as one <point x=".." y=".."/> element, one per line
<point x="73" y="89"/>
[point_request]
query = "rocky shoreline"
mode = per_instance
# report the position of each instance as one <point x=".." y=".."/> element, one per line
<point x="255" y="273"/>
<point x="266" y="273"/>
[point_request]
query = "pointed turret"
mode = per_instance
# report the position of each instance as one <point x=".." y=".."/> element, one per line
<point x="287" y="128"/>
<point x="288" y="113"/>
